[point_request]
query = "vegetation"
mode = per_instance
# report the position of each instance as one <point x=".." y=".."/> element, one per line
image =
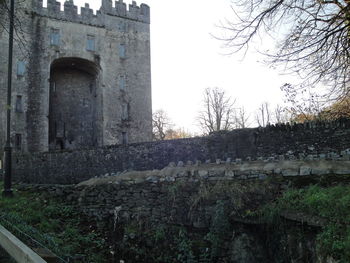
<point x="163" y="127"/>
<point x="311" y="37"/>
<point x="218" y="111"/>
<point x="331" y="204"/>
<point x="156" y="243"/>
<point x="68" y="234"/>
<point x="42" y="222"/>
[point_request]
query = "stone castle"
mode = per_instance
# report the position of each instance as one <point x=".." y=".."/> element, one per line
<point x="79" y="80"/>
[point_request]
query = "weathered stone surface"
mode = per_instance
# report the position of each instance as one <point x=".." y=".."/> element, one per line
<point x="238" y="145"/>
<point x="304" y="170"/>
<point x="193" y="203"/>
<point x="290" y="172"/>
<point x="72" y="87"/>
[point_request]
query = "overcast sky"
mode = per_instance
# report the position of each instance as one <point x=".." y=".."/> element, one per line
<point x="186" y="59"/>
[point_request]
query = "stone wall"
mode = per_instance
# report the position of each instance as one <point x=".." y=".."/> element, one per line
<point x="136" y="203"/>
<point x="301" y="141"/>
<point x="150" y="194"/>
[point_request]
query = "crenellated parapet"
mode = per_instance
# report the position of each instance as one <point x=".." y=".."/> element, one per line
<point x="70" y="11"/>
<point x="134" y="12"/>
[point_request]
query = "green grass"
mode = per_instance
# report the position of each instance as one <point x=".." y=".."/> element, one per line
<point x="331" y="204"/>
<point x="57" y="226"/>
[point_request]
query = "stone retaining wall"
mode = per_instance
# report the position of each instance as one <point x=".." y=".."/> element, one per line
<point x="191" y="196"/>
<point x="152" y="193"/>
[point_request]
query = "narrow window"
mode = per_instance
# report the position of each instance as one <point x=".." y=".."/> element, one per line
<point x="18" y="141"/>
<point x="85" y="102"/>
<point x="21" y="68"/>
<point x="123" y="27"/>
<point x="124" y="138"/>
<point x="122" y="82"/>
<point x="55" y="37"/>
<point x="122" y="51"/>
<point x="125" y="112"/>
<point x="90" y="43"/>
<point x="53" y="87"/>
<point x="19" y="104"/>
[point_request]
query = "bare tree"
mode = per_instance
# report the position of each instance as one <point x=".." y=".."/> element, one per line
<point x="263" y="115"/>
<point x="241" y="118"/>
<point x="281" y="114"/>
<point x="339" y="109"/>
<point x="312" y="37"/>
<point x="161" y="123"/>
<point x="177" y="133"/>
<point x="218" y="111"/>
<point x="305" y="106"/>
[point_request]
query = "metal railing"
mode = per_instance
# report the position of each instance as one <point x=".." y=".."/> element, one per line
<point x="17" y="249"/>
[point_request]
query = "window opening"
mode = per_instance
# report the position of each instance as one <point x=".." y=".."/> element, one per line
<point x="90" y="43"/>
<point x="18" y="141"/>
<point x="122" y="51"/>
<point x="55" y="37"/>
<point x="19" y="104"/>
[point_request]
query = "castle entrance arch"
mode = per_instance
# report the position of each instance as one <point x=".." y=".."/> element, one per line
<point x="72" y="104"/>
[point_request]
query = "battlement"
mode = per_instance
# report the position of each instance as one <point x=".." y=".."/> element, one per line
<point x="70" y="11"/>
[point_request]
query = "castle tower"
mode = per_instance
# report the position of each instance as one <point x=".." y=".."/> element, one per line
<point x="79" y="80"/>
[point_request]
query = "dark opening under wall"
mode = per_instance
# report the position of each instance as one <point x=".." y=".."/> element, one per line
<point x="72" y="114"/>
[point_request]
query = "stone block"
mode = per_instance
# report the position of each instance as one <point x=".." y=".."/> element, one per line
<point x="304" y="170"/>
<point x="180" y="164"/>
<point x="172" y="164"/>
<point x="203" y="173"/>
<point x="189" y="163"/>
<point x="198" y="163"/>
<point x="322" y="156"/>
<point x="229" y="173"/>
<point x="290" y="172"/>
<point x="319" y="171"/>
<point x="262" y="176"/>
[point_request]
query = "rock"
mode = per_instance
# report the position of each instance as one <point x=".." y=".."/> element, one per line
<point x="180" y="164"/>
<point x="229" y="173"/>
<point x="203" y="173"/>
<point x="304" y="170"/>
<point x="290" y="172"/>
<point x="262" y="176"/>
<point x="319" y="171"/>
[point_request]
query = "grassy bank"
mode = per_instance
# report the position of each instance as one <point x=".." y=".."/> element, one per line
<point x="42" y="222"/>
<point x="331" y="205"/>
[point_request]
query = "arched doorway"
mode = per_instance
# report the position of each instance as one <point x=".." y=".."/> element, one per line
<point x="72" y="109"/>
